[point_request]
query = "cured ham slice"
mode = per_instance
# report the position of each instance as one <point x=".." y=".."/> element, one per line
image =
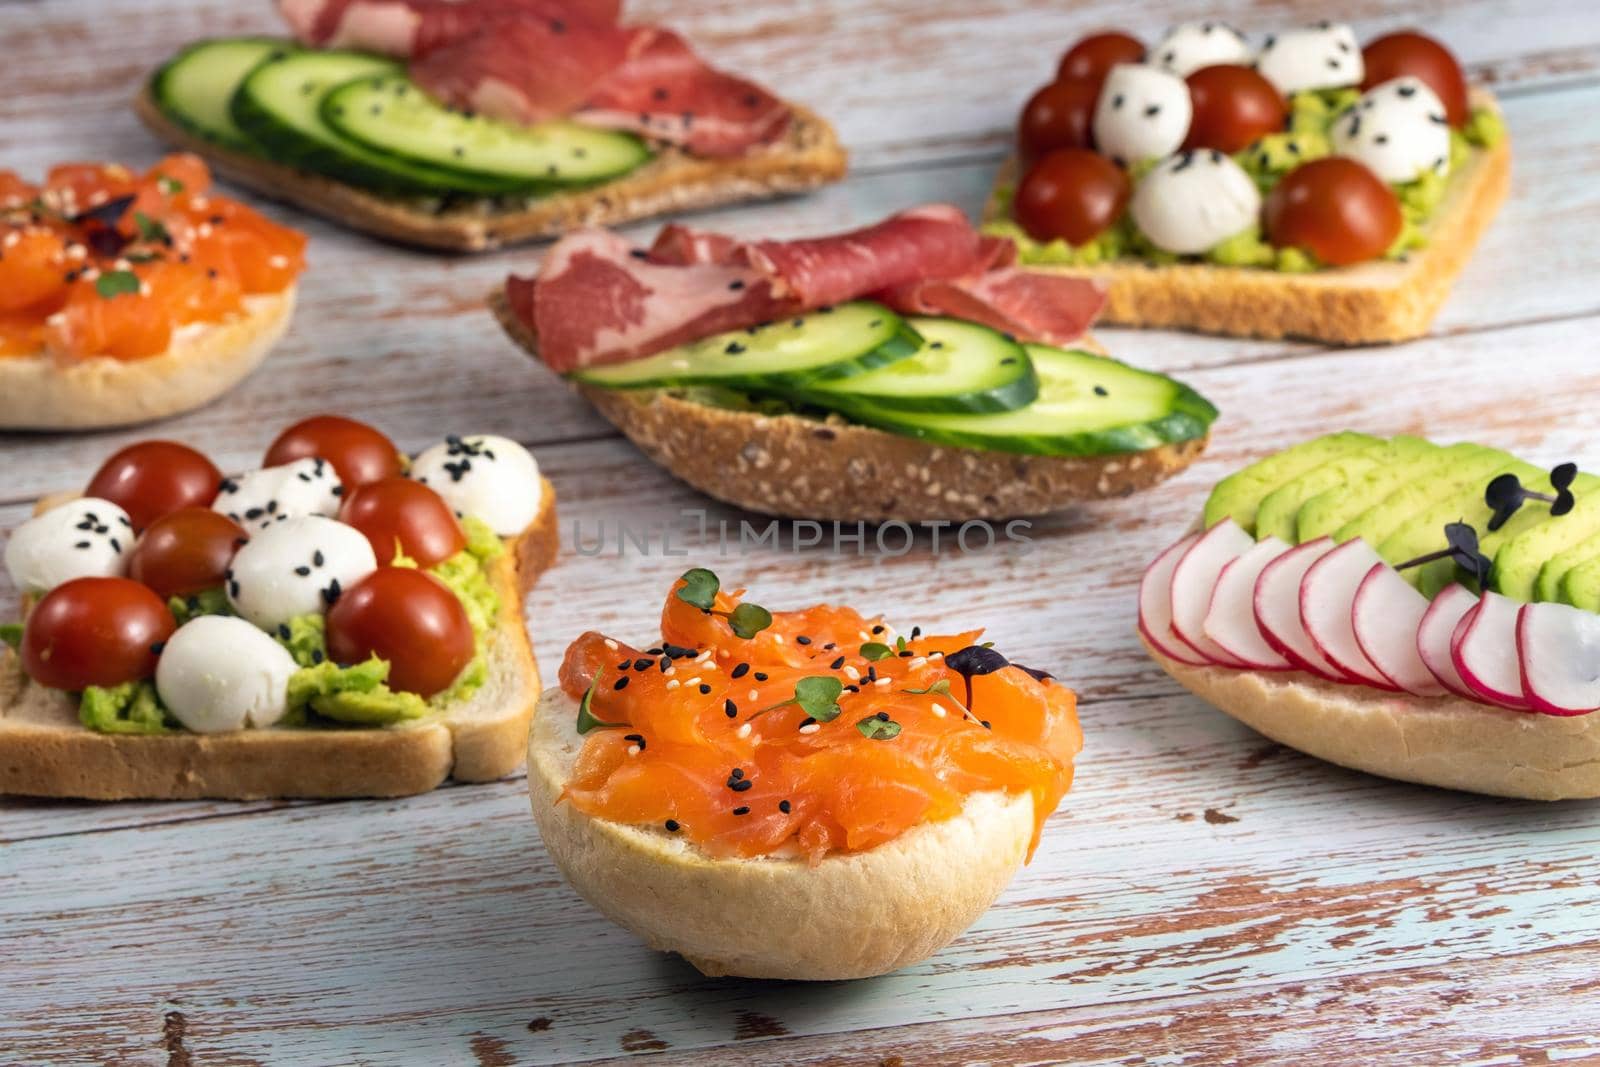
<point x="406" y="28"/>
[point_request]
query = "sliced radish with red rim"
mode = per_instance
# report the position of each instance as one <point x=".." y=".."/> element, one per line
<point x="1277" y="606"/>
<point x="1327" y="609"/>
<point x="1194" y="579"/>
<point x="1484" y="651"/>
<point x="1387" y="619"/>
<point x="1155" y="605"/>
<point x="1437" y="630"/>
<point x="1558" y="647"/>
<point x="1231" y="617"/>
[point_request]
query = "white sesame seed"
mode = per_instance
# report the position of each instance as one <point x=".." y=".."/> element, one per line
<point x="920" y="661"/>
<point x="811" y="728"/>
<point x="672" y="684"/>
<point x="670" y="671"/>
<point x="743" y="731"/>
<point x="633" y="750"/>
<point x="778" y="638"/>
<point x="938" y="710"/>
<point x="852" y="674"/>
<point x="936" y="655"/>
<point x="864" y="635"/>
<point x="722" y="653"/>
<point x="883" y="683"/>
<point x="755" y="694"/>
<point x="612" y="645"/>
<point x="692" y="681"/>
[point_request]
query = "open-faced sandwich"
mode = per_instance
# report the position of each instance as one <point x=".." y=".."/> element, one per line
<point x="477" y="123"/>
<point x="795" y="794"/>
<point x="1302" y="186"/>
<point x="1422" y="612"/>
<point x="903" y="371"/>
<point x="126" y="297"/>
<point x="342" y="622"/>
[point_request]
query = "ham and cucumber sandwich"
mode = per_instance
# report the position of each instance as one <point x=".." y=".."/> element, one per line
<point x="802" y="794"/>
<point x="343" y="621"/>
<point x="478" y="123"/>
<point x="1424" y="612"/>
<point x="902" y="371"/>
<point x="1298" y="184"/>
<point x="127" y="296"/>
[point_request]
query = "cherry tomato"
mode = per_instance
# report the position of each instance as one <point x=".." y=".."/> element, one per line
<point x="152" y="478"/>
<point x="185" y="552"/>
<point x="1395" y="55"/>
<point x="1073" y="194"/>
<point x="95" y="631"/>
<point x="1336" y="209"/>
<point x="1060" y="115"/>
<point x="399" y="510"/>
<point x="1233" y="107"/>
<point x="359" y="453"/>
<point x="1091" y="58"/>
<point x="407" y="617"/>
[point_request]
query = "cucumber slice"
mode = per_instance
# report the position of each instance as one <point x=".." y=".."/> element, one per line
<point x="962" y="368"/>
<point x="194" y="87"/>
<point x="388" y="114"/>
<point x="1088" y="405"/>
<point x="841" y="342"/>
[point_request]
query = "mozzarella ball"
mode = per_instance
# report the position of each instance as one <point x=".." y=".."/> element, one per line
<point x="1398" y="129"/>
<point x="297" y="567"/>
<point x="494" y="478"/>
<point x="1189" y="46"/>
<point x="219" y="673"/>
<point x="1194" y="200"/>
<point x="83" y="538"/>
<point x="260" y="498"/>
<point x="1143" y="113"/>
<point x="1324" y="56"/>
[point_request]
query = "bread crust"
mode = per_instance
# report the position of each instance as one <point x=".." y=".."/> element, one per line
<point x="45" y="751"/>
<point x="1439" y="741"/>
<point x="837" y="470"/>
<point x="849" y="916"/>
<point x="40" y="393"/>
<point x="809" y="155"/>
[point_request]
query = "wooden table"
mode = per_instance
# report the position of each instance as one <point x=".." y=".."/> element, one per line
<point x="1203" y="896"/>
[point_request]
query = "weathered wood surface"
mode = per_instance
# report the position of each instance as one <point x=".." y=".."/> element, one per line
<point x="1202" y="897"/>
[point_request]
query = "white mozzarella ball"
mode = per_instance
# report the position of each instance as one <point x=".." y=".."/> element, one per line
<point x="1191" y="45"/>
<point x="220" y="673"/>
<point x="494" y="478"/>
<point x="1398" y="129"/>
<point x="260" y="498"/>
<point x="1194" y="200"/>
<point x="83" y="538"/>
<point x="1324" y="56"/>
<point x="297" y="567"/>
<point x="1143" y="113"/>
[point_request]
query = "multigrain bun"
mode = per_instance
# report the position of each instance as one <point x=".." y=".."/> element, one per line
<point x="1442" y="741"/>
<point x="39" y="393"/>
<point x="45" y="751"/>
<point x="849" y="916"/>
<point x="809" y="155"/>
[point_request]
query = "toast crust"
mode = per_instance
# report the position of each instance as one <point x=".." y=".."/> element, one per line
<point x="39" y="393"/>
<point x="808" y="156"/>
<point x="45" y="752"/>
<point x="837" y="470"/>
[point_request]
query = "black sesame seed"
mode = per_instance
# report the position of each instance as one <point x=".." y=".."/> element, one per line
<point x="802" y="640"/>
<point x="1100" y="390"/>
<point x="643" y="664"/>
<point x="283" y="630"/>
<point x="730" y="709"/>
<point x="783" y="806"/>
<point x="741" y="670"/>
<point x="705" y="689"/>
<point x="742" y="810"/>
<point x="620" y="683"/>
<point x="81" y="544"/>
<point x="302" y="570"/>
<point x="672" y="826"/>
<point x="836" y="664"/>
<point x="760" y="677"/>
<point x="877" y="629"/>
<point x="637" y="739"/>
<point x="740" y="785"/>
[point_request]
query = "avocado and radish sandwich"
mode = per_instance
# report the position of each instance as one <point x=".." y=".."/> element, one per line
<point x="907" y="370"/>
<point x="1301" y="185"/>
<point x="470" y="125"/>
<point x="343" y="621"/>
<point x="1424" y="612"/>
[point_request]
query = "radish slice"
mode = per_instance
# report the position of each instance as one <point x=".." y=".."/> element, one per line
<point x="1327" y="610"/>
<point x="1155" y="605"/>
<point x="1434" y="634"/>
<point x="1193" y="581"/>
<point x="1484" y="650"/>
<point x="1387" y="616"/>
<point x="1277" y="606"/>
<point x="1231" y="617"/>
<point x="1559" y="649"/>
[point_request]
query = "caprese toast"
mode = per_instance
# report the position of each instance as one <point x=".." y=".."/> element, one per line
<point x="795" y="794"/>
<point x="126" y="297"/>
<point x="473" y="124"/>
<point x="903" y="371"/>
<point x="1297" y="186"/>
<point x="343" y="621"/>
<point x="1422" y="612"/>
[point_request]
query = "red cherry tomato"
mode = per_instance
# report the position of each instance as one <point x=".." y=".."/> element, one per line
<point x="1233" y="107"/>
<point x="358" y="453"/>
<point x="185" y="552"/>
<point x="1072" y="194"/>
<point x="1060" y="115"/>
<point x="95" y="631"/>
<point x="399" y="510"/>
<point x="1396" y="55"/>
<point x="407" y="617"/>
<point x="1336" y="209"/>
<point x="1094" y="56"/>
<point x="152" y="478"/>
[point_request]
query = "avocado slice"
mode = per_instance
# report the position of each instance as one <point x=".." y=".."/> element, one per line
<point x="1278" y="515"/>
<point x="1467" y="476"/>
<point x="1580" y="586"/>
<point x="1239" y="495"/>
<point x="1323" y="514"/>
<point x="1531" y="517"/>
<point x="1531" y="565"/>
<point x="1424" y="531"/>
